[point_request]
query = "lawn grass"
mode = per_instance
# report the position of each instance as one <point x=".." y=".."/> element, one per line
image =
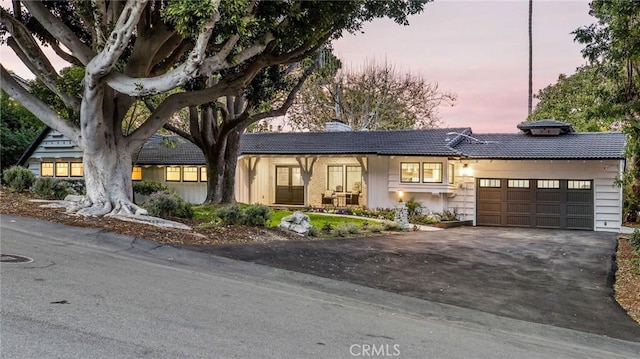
<point x="206" y="213"/>
<point x="316" y="219"/>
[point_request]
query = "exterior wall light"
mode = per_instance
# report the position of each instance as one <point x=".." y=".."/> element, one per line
<point x="466" y="171"/>
<point x="400" y="195"/>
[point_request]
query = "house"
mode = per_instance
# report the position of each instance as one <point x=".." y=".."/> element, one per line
<point x="547" y="175"/>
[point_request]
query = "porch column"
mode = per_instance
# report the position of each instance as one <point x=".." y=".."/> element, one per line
<point x="252" y="162"/>
<point x="306" y="171"/>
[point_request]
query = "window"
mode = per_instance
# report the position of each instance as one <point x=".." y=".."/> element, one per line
<point x="62" y="169"/>
<point x="334" y="178"/>
<point x="203" y="174"/>
<point x="451" y="174"/>
<point x="190" y="174"/>
<point x="173" y="174"/>
<point x="579" y="184"/>
<point x="548" y="184"/>
<point x="431" y="172"/>
<point x="492" y="183"/>
<point x="410" y="172"/>
<point x="136" y="173"/>
<point x="77" y="170"/>
<point x="518" y="183"/>
<point x="354" y="179"/>
<point x="46" y="169"/>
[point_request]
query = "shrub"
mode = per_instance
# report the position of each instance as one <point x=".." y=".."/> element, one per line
<point x="413" y="206"/>
<point x="146" y="187"/>
<point x="391" y="226"/>
<point x="314" y="231"/>
<point x="49" y="188"/>
<point x="166" y="205"/>
<point x="339" y="231"/>
<point x="74" y="186"/>
<point x="18" y="178"/>
<point x="327" y="227"/>
<point x="350" y="228"/>
<point x="231" y="215"/>
<point x="257" y="215"/>
<point x="375" y="228"/>
<point x="634" y="240"/>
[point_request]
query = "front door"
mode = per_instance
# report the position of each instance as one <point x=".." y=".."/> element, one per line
<point x="289" y="185"/>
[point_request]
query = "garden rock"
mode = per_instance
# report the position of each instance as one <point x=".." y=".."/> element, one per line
<point x="297" y="222"/>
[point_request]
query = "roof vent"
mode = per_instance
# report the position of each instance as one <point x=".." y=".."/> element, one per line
<point x="337" y="126"/>
<point x="546" y="128"/>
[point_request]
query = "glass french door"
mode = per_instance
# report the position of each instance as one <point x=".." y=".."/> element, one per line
<point x="289" y="185"/>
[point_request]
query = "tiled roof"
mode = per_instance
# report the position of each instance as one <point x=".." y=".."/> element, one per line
<point x="168" y="150"/>
<point x="436" y="142"/>
<point x="588" y="145"/>
<point x="410" y="142"/>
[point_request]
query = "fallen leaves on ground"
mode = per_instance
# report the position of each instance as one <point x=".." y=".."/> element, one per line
<point x="627" y="285"/>
<point x="20" y="204"/>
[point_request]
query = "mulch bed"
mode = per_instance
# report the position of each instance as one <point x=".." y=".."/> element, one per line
<point x="19" y="204"/>
<point x="627" y="285"/>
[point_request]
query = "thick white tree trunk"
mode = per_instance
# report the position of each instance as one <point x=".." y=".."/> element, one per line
<point x="107" y="175"/>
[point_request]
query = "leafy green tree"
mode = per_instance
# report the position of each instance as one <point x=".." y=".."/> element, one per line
<point x="613" y="42"/>
<point x="18" y="128"/>
<point x="372" y="97"/>
<point x="140" y="49"/>
<point x="581" y="99"/>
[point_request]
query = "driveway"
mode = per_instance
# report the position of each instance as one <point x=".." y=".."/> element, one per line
<point x="561" y="278"/>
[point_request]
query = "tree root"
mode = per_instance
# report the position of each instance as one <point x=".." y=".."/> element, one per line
<point x="124" y="210"/>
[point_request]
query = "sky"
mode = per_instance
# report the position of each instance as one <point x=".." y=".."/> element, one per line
<point x="478" y="50"/>
<point x="474" y="48"/>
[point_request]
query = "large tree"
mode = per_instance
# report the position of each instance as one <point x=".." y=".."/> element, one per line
<point x="613" y="43"/>
<point x="269" y="95"/>
<point x="143" y="48"/>
<point x="373" y="97"/>
<point x="582" y="99"/>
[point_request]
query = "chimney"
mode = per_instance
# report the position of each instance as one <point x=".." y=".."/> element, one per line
<point x="336" y="125"/>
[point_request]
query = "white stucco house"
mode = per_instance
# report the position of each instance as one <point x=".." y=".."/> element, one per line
<point x="547" y="175"/>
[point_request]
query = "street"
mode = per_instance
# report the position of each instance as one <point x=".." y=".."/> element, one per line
<point x="90" y="294"/>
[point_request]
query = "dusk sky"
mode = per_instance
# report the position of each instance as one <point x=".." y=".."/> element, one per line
<point x="477" y="49"/>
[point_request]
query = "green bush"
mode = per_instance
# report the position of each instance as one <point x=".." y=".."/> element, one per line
<point x="634" y="240"/>
<point x="327" y="227"/>
<point x="351" y="228"/>
<point x="231" y="215"/>
<point x="413" y="206"/>
<point x="375" y="228"/>
<point x="146" y="187"/>
<point x="257" y="215"/>
<point x="314" y="231"/>
<point x="50" y="188"/>
<point x="18" y="178"/>
<point x="391" y="226"/>
<point x="74" y="186"/>
<point x="167" y="205"/>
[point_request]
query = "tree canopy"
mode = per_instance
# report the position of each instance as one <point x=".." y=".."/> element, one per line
<point x="613" y="43"/>
<point x="374" y="96"/>
<point x="581" y="99"/>
<point x="140" y="49"/>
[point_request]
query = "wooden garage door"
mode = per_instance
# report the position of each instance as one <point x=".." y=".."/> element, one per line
<point x="565" y="204"/>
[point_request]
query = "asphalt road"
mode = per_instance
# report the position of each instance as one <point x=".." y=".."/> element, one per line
<point x="90" y="294"/>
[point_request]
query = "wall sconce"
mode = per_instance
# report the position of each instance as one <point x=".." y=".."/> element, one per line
<point x="466" y="171"/>
<point x="400" y="195"/>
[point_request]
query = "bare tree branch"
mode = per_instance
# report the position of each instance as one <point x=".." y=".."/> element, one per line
<point x="60" y="31"/>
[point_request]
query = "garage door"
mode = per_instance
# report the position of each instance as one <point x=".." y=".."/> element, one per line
<point x="565" y="204"/>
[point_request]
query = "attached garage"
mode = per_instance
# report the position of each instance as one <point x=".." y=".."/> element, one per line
<point x="547" y="203"/>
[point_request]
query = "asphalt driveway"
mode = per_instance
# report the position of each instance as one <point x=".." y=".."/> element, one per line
<point x="562" y="278"/>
